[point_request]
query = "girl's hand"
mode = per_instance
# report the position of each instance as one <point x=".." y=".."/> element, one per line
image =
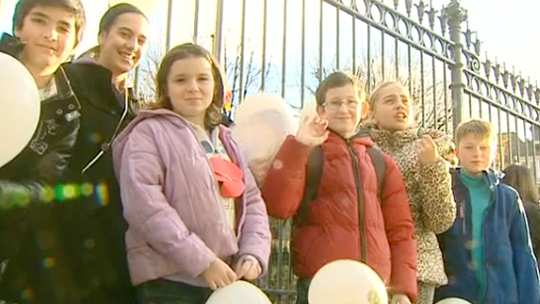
<point x="218" y="274"/>
<point x="400" y="299"/>
<point x="248" y="267"/>
<point x="427" y="150"/>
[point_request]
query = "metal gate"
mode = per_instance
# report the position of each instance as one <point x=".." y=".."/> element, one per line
<point x="287" y="46"/>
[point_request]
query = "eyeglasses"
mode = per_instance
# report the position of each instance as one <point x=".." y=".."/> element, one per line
<point x="335" y="105"/>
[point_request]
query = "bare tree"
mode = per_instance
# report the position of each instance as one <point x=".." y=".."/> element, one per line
<point x="147" y="71"/>
<point x="245" y="74"/>
<point x="252" y="73"/>
<point x="233" y="62"/>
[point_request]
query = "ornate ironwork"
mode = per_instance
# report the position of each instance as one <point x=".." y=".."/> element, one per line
<point x="429" y="49"/>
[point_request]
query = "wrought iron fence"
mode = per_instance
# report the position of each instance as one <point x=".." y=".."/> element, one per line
<point x="286" y="47"/>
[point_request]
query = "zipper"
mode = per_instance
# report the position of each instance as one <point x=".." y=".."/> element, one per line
<point x="361" y="214"/>
<point x="61" y="93"/>
<point x="461" y="215"/>
<point x="468" y="220"/>
<point x="492" y="203"/>
<point x="240" y="212"/>
<point x="106" y="146"/>
<point x="230" y="230"/>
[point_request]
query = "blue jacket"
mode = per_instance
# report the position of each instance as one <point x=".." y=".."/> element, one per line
<point x="510" y="265"/>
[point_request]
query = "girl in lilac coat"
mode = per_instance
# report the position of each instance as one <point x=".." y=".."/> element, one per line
<point x="196" y="218"/>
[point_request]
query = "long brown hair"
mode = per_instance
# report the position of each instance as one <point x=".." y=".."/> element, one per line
<point x="374" y="96"/>
<point x="521" y="178"/>
<point x="213" y="116"/>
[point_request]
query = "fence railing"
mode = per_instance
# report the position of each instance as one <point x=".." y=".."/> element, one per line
<point x="288" y="46"/>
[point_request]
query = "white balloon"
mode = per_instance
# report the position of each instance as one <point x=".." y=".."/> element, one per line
<point x="453" y="301"/>
<point x="347" y="282"/>
<point x="144" y="5"/>
<point x="262" y="111"/>
<point x="19" y="108"/>
<point x="239" y="292"/>
<point x="261" y="124"/>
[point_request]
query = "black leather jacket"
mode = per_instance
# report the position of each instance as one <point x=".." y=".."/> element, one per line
<point x="46" y="156"/>
<point x="26" y="178"/>
<point x="86" y="230"/>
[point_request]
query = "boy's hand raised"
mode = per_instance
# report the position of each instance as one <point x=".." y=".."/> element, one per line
<point x="312" y="131"/>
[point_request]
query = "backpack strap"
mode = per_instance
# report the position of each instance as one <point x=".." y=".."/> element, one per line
<point x="313" y="180"/>
<point x="314" y="175"/>
<point x="377" y="158"/>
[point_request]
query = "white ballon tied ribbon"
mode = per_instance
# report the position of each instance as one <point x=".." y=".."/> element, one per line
<point x="347" y="282"/>
<point x="453" y="301"/>
<point x="19" y="108"/>
<point x="262" y="122"/>
<point x="239" y="292"/>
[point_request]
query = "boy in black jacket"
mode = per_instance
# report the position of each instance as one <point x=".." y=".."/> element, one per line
<point x="45" y="34"/>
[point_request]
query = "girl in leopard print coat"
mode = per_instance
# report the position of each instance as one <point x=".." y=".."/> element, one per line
<point x="418" y="153"/>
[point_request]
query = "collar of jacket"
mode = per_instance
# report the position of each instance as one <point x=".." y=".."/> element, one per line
<point x="63" y="85"/>
<point x="12" y="46"/>
<point x="361" y="136"/>
<point x="492" y="177"/>
<point x="98" y="80"/>
<point x="397" y="138"/>
<point x="177" y="120"/>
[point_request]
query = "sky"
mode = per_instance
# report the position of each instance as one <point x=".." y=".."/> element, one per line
<point x="508" y="33"/>
<point x="508" y="30"/>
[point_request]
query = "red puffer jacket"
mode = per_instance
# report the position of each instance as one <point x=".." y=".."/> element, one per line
<point x="331" y="230"/>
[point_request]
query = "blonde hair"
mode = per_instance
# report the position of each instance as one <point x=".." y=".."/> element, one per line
<point x="481" y="128"/>
<point x="375" y="96"/>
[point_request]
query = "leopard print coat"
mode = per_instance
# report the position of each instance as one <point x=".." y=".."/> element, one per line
<point x="430" y="195"/>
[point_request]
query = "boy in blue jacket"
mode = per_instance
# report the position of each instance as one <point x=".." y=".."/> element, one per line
<point x="487" y="253"/>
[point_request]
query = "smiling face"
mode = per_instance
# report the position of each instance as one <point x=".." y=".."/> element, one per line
<point x="190" y="87"/>
<point x="123" y="45"/>
<point x="343" y="109"/>
<point x="49" y="35"/>
<point x="390" y="108"/>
